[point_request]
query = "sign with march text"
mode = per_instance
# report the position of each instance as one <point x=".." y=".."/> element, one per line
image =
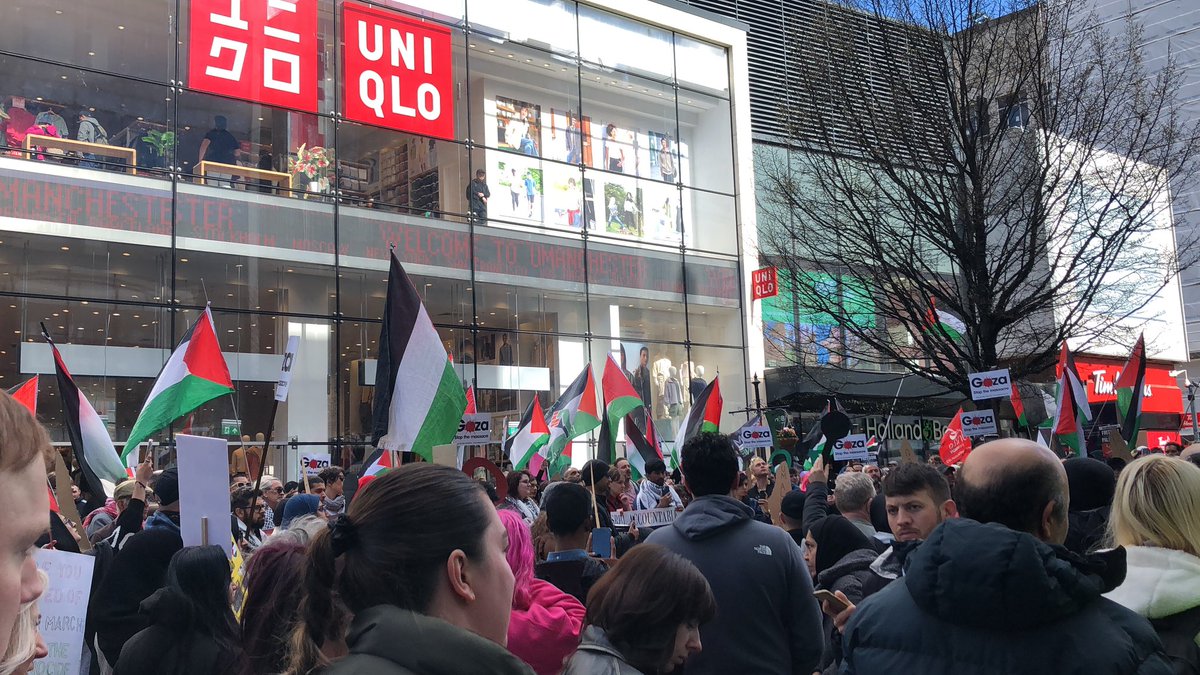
<point x="263" y="51"/>
<point x="397" y="72"/>
<point x="63" y="607"/>
<point x="979" y="423"/>
<point x="646" y="517"/>
<point x="990" y="384"/>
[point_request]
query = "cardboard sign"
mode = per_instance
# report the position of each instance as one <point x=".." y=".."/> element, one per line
<point x="783" y="483"/>
<point x="990" y="384"/>
<point x="764" y="283"/>
<point x="285" y="373"/>
<point x="753" y="436"/>
<point x="979" y="423"/>
<point x="203" y="491"/>
<point x="645" y="517"/>
<point x="313" y="462"/>
<point x="398" y="72"/>
<point x="474" y="429"/>
<point x="64" y="608"/>
<point x="907" y="456"/>
<point x="853" y="446"/>
<point x="255" y="50"/>
<point x="66" y="503"/>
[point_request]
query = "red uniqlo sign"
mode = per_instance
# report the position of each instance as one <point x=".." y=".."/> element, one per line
<point x="765" y="283"/>
<point x="258" y="50"/>
<point x="397" y="72"/>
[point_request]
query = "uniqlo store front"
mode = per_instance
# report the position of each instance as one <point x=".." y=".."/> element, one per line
<point x="263" y="155"/>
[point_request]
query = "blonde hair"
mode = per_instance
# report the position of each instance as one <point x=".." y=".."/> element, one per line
<point x="756" y="461"/>
<point x="1157" y="504"/>
<point x="22" y="645"/>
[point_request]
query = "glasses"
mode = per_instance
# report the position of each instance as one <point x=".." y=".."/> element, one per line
<point x="241" y="485"/>
<point x="275" y="489"/>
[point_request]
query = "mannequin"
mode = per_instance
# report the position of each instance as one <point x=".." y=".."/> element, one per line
<point x="641" y="384"/>
<point x="673" y="394"/>
<point x="238" y="463"/>
<point x="255" y="453"/>
<point x="686" y="372"/>
<point x="697" y="385"/>
<point x="659" y="371"/>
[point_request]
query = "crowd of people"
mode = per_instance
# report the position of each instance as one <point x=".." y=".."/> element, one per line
<point x="1016" y="561"/>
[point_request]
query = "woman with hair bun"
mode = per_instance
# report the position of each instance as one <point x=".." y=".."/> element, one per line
<point x="418" y="559"/>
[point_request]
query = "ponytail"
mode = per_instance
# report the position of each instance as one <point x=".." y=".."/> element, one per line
<point x="321" y="615"/>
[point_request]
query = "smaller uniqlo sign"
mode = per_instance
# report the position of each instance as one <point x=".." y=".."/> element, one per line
<point x="765" y="283"/>
<point x="978" y="423"/>
<point x="257" y="50"/>
<point x="397" y="72"/>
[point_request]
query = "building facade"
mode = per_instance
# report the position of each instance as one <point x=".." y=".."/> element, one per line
<point x="261" y="157"/>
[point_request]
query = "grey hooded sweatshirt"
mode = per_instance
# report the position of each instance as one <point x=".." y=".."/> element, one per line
<point x="767" y="619"/>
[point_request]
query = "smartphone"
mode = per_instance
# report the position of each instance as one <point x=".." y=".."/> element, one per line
<point x="835" y="603"/>
<point x="602" y="542"/>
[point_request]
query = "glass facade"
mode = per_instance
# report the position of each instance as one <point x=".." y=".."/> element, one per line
<point x="608" y="151"/>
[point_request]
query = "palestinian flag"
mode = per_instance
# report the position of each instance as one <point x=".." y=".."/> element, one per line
<point x="955" y="445"/>
<point x="26" y="394"/>
<point x="949" y="325"/>
<point x="1073" y="407"/>
<point x="1018" y="407"/>
<point x="576" y="412"/>
<point x="814" y="441"/>
<point x="641" y="448"/>
<point x="620" y="399"/>
<point x="531" y="435"/>
<point x="93" y="447"/>
<point x="1131" y="390"/>
<point x="194" y="375"/>
<point x="470" y="410"/>
<point x="419" y="399"/>
<point x="704" y="415"/>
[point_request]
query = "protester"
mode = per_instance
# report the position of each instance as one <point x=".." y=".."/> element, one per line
<point x="741" y="493"/>
<point x="26" y="643"/>
<point x="300" y="505"/>
<point x="122" y="515"/>
<point x="762" y="484"/>
<point x="570" y="518"/>
<point x="595" y="479"/>
<point x="852" y="495"/>
<point x="572" y="475"/>
<point x="333" y="502"/>
<point x="876" y="476"/>
<point x="545" y="623"/>
<point x="791" y="517"/>
<point x="1092" y="484"/>
<point x="995" y="591"/>
<point x="629" y="487"/>
<point x="238" y="481"/>
<point x="1156" y="517"/>
<point x="839" y="557"/>
<point x="768" y="621"/>
<point x="26" y="452"/>
<point x="247" y="507"/>
<point x="272" y="492"/>
<point x="644" y="616"/>
<point x="427" y="583"/>
<point x="316" y="486"/>
<point x="82" y="506"/>
<point x="655" y="493"/>
<point x="136" y="572"/>
<point x="272" y="604"/>
<point x="520" y="496"/>
<point x="1172" y="449"/>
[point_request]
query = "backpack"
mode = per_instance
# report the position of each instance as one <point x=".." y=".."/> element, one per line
<point x="1178" y="633"/>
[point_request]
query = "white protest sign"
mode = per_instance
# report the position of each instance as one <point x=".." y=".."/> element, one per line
<point x="990" y="384"/>
<point x="285" y="373"/>
<point x="853" y="446"/>
<point x="753" y="436"/>
<point x="978" y="423"/>
<point x="63" y="608"/>
<point x="645" y="517"/>
<point x="474" y="429"/>
<point x="313" y="462"/>
<point x="204" y="491"/>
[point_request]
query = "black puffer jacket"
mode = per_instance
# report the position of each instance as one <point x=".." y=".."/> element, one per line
<point x="849" y="575"/>
<point x="987" y="600"/>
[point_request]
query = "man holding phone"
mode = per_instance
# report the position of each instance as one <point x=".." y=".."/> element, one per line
<point x="655" y="493"/>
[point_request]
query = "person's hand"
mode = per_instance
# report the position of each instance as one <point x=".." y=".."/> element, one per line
<point x="633" y="531"/>
<point x="817" y="473"/>
<point x="144" y="472"/>
<point x="840" y="619"/>
<point x="664" y="501"/>
<point x="50" y="546"/>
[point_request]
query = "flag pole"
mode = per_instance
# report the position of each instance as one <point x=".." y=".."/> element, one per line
<point x="262" y="462"/>
<point x="595" y="508"/>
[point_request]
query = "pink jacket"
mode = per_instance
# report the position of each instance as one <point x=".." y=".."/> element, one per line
<point x="548" y="632"/>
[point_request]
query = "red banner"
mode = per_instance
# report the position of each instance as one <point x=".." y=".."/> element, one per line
<point x="397" y="72"/>
<point x="257" y="50"/>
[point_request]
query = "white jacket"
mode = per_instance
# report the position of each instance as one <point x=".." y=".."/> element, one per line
<point x="1159" y="582"/>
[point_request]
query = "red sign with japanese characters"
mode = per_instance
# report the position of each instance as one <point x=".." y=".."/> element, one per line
<point x="257" y="50"/>
<point x="397" y="72"/>
<point x="765" y="283"/>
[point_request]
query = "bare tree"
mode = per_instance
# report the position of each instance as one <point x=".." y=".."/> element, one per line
<point x="1011" y="172"/>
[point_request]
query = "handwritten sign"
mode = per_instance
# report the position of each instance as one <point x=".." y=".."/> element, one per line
<point x="645" y="518"/>
<point x="64" y="609"/>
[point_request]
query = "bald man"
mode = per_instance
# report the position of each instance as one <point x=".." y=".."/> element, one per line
<point x="995" y="591"/>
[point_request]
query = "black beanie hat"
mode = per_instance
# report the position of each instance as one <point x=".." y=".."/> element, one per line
<point x="1091" y="482"/>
